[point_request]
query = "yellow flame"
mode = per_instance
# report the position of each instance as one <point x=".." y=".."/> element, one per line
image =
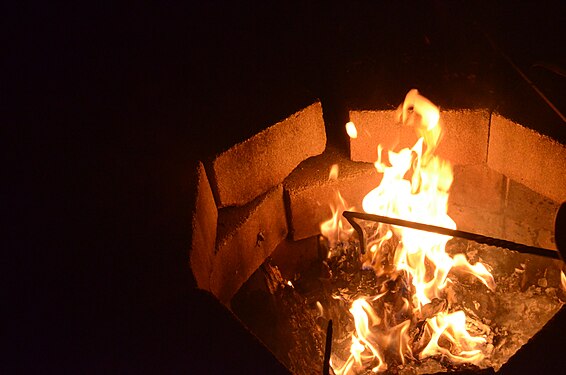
<point x="351" y="130"/>
<point x="415" y="187"/>
<point x="333" y="175"/>
<point x="563" y="280"/>
<point x="320" y="308"/>
<point x="364" y="349"/>
<point x="336" y="228"/>
<point x="453" y="328"/>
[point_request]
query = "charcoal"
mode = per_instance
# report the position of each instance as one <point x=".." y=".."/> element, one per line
<point x="506" y="317"/>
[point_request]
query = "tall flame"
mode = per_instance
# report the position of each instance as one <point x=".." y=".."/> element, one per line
<point x="415" y="186"/>
<point x="336" y="228"/>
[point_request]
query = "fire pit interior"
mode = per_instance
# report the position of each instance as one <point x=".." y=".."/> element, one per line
<point x="178" y="174"/>
<point x="278" y="252"/>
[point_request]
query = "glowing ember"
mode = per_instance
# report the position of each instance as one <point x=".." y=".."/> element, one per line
<point x="415" y="186"/>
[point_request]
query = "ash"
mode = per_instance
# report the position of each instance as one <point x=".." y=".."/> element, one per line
<point x="527" y="295"/>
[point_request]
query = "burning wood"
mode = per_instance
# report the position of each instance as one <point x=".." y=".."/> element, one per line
<point x="409" y="313"/>
<point x="404" y="300"/>
<point x="525" y="249"/>
<point x="413" y="274"/>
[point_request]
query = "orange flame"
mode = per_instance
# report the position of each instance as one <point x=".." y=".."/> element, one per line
<point x="336" y="228"/>
<point x="415" y="186"/>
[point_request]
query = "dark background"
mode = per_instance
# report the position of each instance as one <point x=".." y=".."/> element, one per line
<point x="109" y="107"/>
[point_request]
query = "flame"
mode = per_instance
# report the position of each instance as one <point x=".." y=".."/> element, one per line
<point x="415" y="187"/>
<point x="333" y="175"/>
<point x="351" y="130"/>
<point x="563" y="280"/>
<point x="453" y="328"/>
<point x="364" y="348"/>
<point x="336" y="228"/>
<point x="320" y="308"/>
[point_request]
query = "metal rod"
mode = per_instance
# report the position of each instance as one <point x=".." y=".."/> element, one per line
<point x="524" y="77"/>
<point x="327" y="350"/>
<point x="525" y="249"/>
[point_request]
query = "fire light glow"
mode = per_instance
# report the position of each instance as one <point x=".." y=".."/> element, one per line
<point x="336" y="229"/>
<point x="415" y="187"/>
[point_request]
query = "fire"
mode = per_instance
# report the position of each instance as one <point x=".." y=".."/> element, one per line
<point x="364" y="347"/>
<point x="351" y="130"/>
<point x="336" y="229"/>
<point x="452" y="327"/>
<point x="415" y="187"/>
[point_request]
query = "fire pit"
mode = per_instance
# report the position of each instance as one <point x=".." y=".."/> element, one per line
<point x="403" y="300"/>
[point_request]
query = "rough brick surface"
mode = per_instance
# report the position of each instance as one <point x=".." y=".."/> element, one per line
<point x="519" y="215"/>
<point x="464" y="141"/>
<point x="529" y="216"/>
<point x="528" y="157"/>
<point x="530" y="207"/>
<point x="477" y="199"/>
<point x="292" y="257"/>
<point x="252" y="167"/>
<point x="478" y="186"/>
<point x="246" y="236"/>
<point x="203" y="231"/>
<point x="477" y="220"/>
<point x="374" y="128"/>
<point x="309" y="192"/>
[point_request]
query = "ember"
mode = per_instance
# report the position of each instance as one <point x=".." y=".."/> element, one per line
<point x="412" y="271"/>
<point x="405" y="300"/>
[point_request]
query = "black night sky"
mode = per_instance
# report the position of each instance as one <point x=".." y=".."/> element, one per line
<point x="109" y="107"/>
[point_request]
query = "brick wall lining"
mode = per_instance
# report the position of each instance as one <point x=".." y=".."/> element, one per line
<point x="497" y="163"/>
